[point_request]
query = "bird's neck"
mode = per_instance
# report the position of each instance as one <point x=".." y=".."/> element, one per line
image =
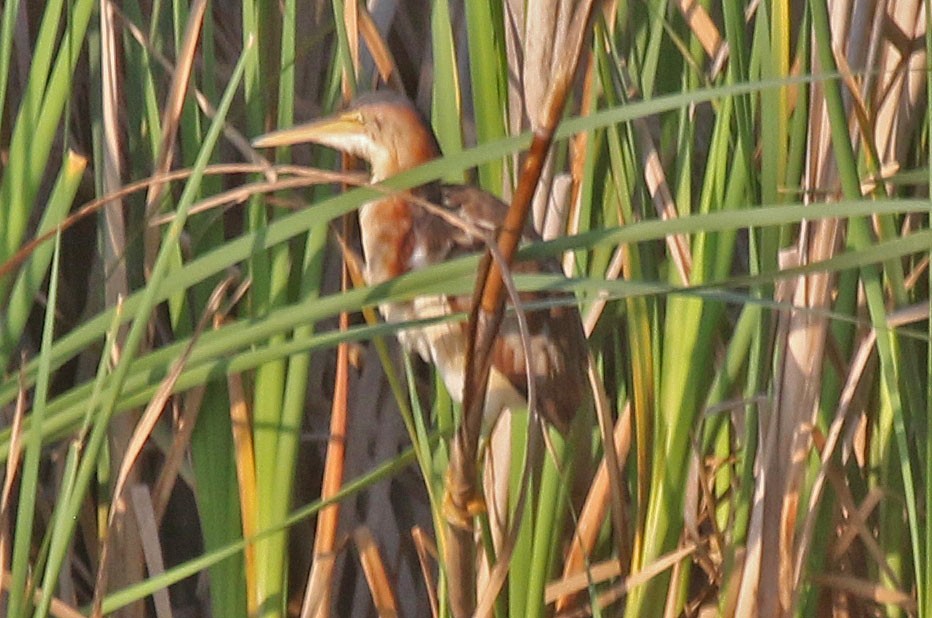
<point x="387" y="225"/>
<point x="401" y="153"/>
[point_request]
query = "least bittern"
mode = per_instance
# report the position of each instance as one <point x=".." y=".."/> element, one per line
<point x="400" y="235"/>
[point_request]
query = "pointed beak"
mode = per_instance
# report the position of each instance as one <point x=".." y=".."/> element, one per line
<point x="328" y="131"/>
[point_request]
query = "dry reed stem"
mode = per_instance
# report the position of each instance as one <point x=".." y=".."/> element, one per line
<point x="91" y="207"/>
<point x="183" y="429"/>
<point x="656" y="180"/>
<point x="122" y="539"/>
<point x="245" y="459"/>
<point x="855" y="376"/>
<point x="867" y="590"/>
<point x="801" y="339"/>
<point x="698" y="20"/>
<point x="114" y="241"/>
<point x="381" y="54"/>
<point x="147" y="527"/>
<point x="856" y="523"/>
<point x="304" y="177"/>
<point x="876" y="124"/>
<point x="132" y="449"/>
<point x="618" y="265"/>
<point x="58" y="608"/>
<point x="383" y="594"/>
<point x="611" y="570"/>
<point x="13" y="463"/>
<point x="320" y="578"/>
<point x="598" y="501"/>
<point x="191" y="404"/>
<point x="427" y="556"/>
<point x="236" y="139"/>
<point x="171" y="119"/>
<point x="484" y="322"/>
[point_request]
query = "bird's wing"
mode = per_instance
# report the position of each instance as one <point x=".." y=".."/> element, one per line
<point x="471" y="212"/>
<point x="557" y="345"/>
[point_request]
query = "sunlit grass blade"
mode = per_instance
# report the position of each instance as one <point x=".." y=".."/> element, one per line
<point x="20" y="591"/>
<point x="33" y="133"/>
<point x="487" y="66"/>
<point x="98" y="431"/>
<point x="29" y="281"/>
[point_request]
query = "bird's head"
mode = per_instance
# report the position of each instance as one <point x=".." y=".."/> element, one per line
<point x="382" y="128"/>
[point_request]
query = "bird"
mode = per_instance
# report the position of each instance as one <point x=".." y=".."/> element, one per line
<point x="399" y="234"/>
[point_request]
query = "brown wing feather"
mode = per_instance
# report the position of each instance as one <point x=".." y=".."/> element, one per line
<point x="557" y="341"/>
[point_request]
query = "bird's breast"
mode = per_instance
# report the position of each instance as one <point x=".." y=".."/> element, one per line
<point x="398" y="236"/>
<point x="385" y="227"/>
